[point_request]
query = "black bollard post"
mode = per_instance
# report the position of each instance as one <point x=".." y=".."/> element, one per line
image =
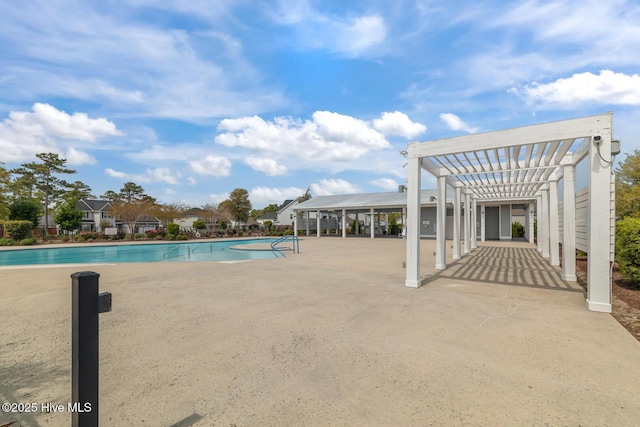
<point x="86" y="304"/>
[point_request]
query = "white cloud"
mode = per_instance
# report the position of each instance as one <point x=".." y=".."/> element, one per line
<point x="48" y="121"/>
<point x="398" y="123"/>
<point x="127" y="64"/>
<point x="219" y="198"/>
<point x="454" y="122"/>
<point x="47" y="129"/>
<point x="212" y="165"/>
<point x="264" y="196"/>
<point x="352" y="36"/>
<point x="326" y="137"/>
<point x="386" y="183"/>
<point x="152" y="176"/>
<point x="191" y="180"/>
<point x="76" y="157"/>
<point x="360" y="34"/>
<point x="328" y="187"/>
<point x="269" y="166"/>
<point x="605" y="88"/>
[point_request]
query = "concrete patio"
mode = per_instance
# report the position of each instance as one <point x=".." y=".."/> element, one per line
<point x="327" y="337"/>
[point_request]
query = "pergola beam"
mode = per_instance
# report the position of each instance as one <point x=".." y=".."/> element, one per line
<point x="567" y="129"/>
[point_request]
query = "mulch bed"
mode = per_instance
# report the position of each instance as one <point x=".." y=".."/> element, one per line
<point x="626" y="297"/>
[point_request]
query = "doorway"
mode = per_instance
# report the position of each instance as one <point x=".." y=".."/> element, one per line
<point x="492" y="222"/>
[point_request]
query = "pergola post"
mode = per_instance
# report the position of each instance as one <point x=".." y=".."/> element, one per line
<point x="318" y="222"/>
<point x="530" y="222"/>
<point x="344" y="223"/>
<point x="539" y="221"/>
<point x="599" y="218"/>
<point x="483" y="234"/>
<point x="569" y="224"/>
<point x="474" y="223"/>
<point x="467" y="223"/>
<point x="413" y="222"/>
<point x="404" y="222"/>
<point x="441" y="215"/>
<point x="295" y="223"/>
<point x="456" y="223"/>
<point x="554" y="225"/>
<point x="545" y="223"/>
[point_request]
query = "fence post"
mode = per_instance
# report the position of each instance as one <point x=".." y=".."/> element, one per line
<point x="86" y="305"/>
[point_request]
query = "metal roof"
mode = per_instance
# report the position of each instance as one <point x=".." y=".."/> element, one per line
<point x="367" y="201"/>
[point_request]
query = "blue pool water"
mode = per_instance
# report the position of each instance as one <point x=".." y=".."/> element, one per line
<point x="164" y="252"/>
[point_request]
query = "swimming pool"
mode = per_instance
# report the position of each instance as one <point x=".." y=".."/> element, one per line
<point x="140" y="252"/>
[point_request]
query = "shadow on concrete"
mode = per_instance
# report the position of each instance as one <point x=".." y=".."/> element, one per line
<point x="26" y="376"/>
<point x="188" y="421"/>
<point x="506" y="266"/>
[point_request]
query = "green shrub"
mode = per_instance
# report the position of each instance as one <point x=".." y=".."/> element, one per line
<point x="7" y="242"/>
<point x="240" y="234"/>
<point x="517" y="230"/>
<point x="182" y="237"/>
<point x="199" y="224"/>
<point x="28" y="241"/>
<point x="628" y="248"/>
<point x="88" y="235"/>
<point x="18" y="229"/>
<point x="173" y="228"/>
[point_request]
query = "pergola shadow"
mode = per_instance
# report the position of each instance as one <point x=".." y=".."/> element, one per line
<point x="503" y="265"/>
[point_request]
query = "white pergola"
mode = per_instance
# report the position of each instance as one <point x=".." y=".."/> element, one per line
<point x="522" y="165"/>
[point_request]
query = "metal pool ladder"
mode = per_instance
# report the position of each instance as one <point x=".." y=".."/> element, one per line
<point x="278" y="245"/>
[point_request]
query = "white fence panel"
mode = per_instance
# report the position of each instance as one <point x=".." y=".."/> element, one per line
<point x="582" y="220"/>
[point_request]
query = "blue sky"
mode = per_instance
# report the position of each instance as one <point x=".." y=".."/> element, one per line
<point x="193" y="99"/>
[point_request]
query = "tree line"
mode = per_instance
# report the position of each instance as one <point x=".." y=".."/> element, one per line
<point x="40" y="188"/>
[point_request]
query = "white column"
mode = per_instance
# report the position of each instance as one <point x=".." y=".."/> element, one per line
<point x="344" y="223"/>
<point x="569" y="224"/>
<point x="386" y="223"/>
<point x="545" y="223"/>
<point x="456" y="222"/>
<point x="337" y="223"/>
<point x="357" y="224"/>
<point x="328" y="222"/>
<point x="318" y="223"/>
<point x="404" y="223"/>
<point x="554" y="226"/>
<point x="308" y="220"/>
<point x="373" y="223"/>
<point x="599" y="223"/>
<point x="467" y="223"/>
<point x="474" y="223"/>
<point x="295" y="223"/>
<point x="532" y="208"/>
<point x="413" y="223"/>
<point x="482" y="224"/>
<point x="441" y="215"/>
<point x="539" y="221"/>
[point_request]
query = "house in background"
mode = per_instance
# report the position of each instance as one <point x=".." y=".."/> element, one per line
<point x="96" y="214"/>
<point x="188" y="217"/>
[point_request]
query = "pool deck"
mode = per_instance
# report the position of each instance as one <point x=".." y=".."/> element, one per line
<point x="327" y="337"/>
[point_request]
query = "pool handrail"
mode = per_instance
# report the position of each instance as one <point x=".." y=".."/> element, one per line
<point x="295" y="247"/>
<point x="164" y="255"/>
